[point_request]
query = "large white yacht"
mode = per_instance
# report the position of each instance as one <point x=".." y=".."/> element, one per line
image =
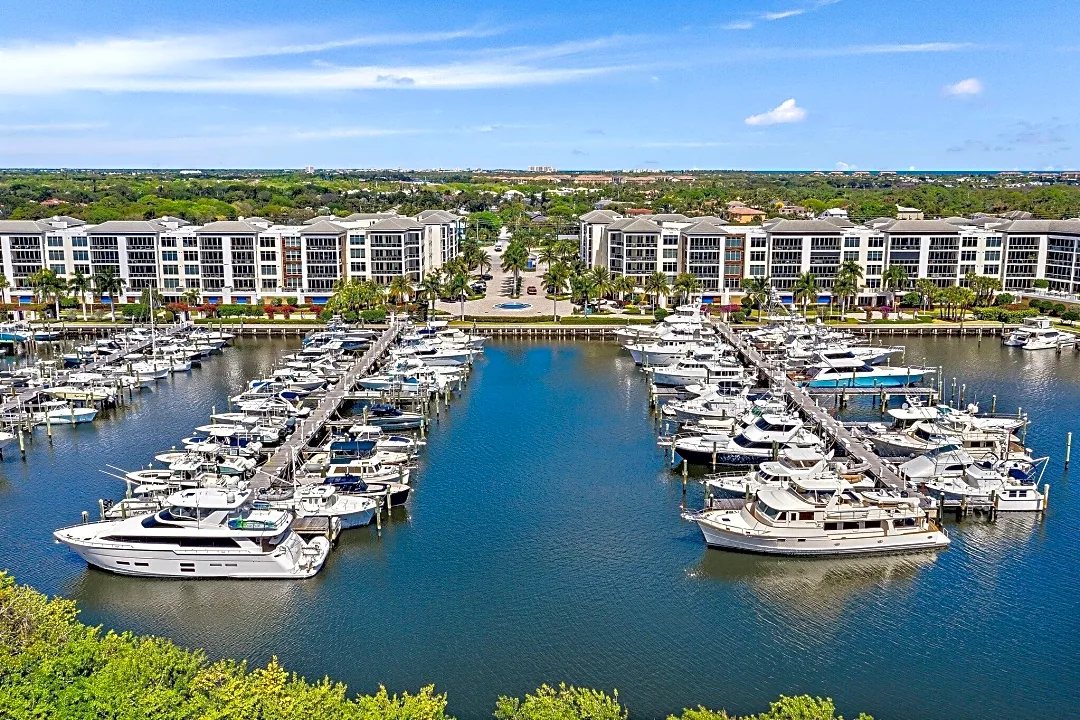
<point x="1038" y="333"/>
<point x="755" y="443"/>
<point x="794" y="463"/>
<point x="917" y="430"/>
<point x="855" y="373"/>
<point x="810" y="518"/>
<point x="201" y="533"/>
<point x="691" y="370"/>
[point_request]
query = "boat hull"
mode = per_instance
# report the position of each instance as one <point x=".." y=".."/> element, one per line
<point x="822" y="546"/>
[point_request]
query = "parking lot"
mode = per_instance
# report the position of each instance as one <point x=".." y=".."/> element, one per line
<point x="500" y="290"/>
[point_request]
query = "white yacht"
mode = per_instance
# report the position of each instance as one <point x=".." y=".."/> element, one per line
<point x="794" y="464"/>
<point x="326" y="501"/>
<point x="805" y="518"/>
<point x="855" y="373"/>
<point x="917" y="430"/>
<point x="755" y="443"/>
<point x="63" y="412"/>
<point x="1038" y="333"/>
<point x="201" y="533"/>
<point x="688" y="371"/>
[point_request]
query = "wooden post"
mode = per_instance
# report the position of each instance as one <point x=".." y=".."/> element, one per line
<point x="1068" y="448"/>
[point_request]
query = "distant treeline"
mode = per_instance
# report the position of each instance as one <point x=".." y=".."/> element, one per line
<point x="290" y="197"/>
<point x="53" y="666"/>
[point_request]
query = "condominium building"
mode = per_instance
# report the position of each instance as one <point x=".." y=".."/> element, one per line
<point x="231" y="261"/>
<point x="1017" y="252"/>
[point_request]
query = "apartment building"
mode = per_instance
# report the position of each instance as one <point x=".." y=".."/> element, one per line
<point x="232" y="261"/>
<point x="943" y="251"/>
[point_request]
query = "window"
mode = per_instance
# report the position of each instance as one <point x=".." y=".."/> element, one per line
<point x="168" y="255"/>
<point x="269" y="283"/>
<point x="875" y="256"/>
<point x="993" y="242"/>
<point x="265" y="256"/>
<point x="79" y="242"/>
<point x="669" y="253"/>
<point x="991" y="269"/>
<point x="671" y="239"/>
<point x="191" y="242"/>
<point x="56" y="255"/>
<point x="970" y="242"/>
<point x="877" y="241"/>
<point x="268" y="242"/>
<point x="992" y="255"/>
<point x="58" y="269"/>
<point x="757" y="271"/>
<point x="191" y="256"/>
<point x="757" y="256"/>
<point x="758" y="242"/>
<point x="170" y="269"/>
<point x="358" y="267"/>
<point x="356" y="239"/>
<point x="55" y="241"/>
<point x="852" y="242"/>
<point x="168" y="242"/>
<point x="172" y="283"/>
<point x="83" y="255"/>
<point x="191" y="269"/>
<point x="873" y="269"/>
<point x="671" y="267"/>
<point x="851" y="255"/>
<point x="268" y="270"/>
<point x="968" y="255"/>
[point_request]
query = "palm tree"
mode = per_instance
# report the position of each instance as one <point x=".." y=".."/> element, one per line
<point x="894" y="278"/>
<point x="79" y="285"/>
<point x="555" y="279"/>
<point x="844" y="287"/>
<point x="686" y="284"/>
<point x="47" y="283"/>
<point x="851" y="269"/>
<point x="458" y="287"/>
<point x="515" y="259"/>
<point x="567" y="251"/>
<point x="623" y="285"/>
<point x="483" y="261"/>
<point x="582" y="286"/>
<point x="4" y="285"/>
<point x="656" y="285"/>
<point x="806" y="287"/>
<point x="548" y="253"/>
<point x="759" y="290"/>
<point x="108" y="282"/>
<point x="429" y="288"/>
<point x="602" y="285"/>
<point x="928" y="292"/>
<point x="400" y="288"/>
<point x="372" y="294"/>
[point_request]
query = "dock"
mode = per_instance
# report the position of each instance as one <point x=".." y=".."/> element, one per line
<point x="281" y="462"/>
<point x="12" y="403"/>
<point x="810" y="410"/>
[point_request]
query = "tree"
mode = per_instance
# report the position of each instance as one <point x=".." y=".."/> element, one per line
<point x="844" y="287"/>
<point x="548" y="253"/>
<point x="191" y="296"/>
<point x="4" y="285"/>
<point x="483" y="262"/>
<point x="458" y="287"/>
<point x="555" y="280"/>
<point x="515" y="259"/>
<point x="79" y="285"/>
<point x="656" y="286"/>
<point x="928" y="292"/>
<point x="401" y="289"/>
<point x="759" y="290"/>
<point x="686" y="284"/>
<point x="48" y="284"/>
<point x="894" y="278"/>
<point x="602" y="285"/>
<point x="623" y="285"/>
<point x="806" y="287"/>
<point x="428" y="290"/>
<point x="582" y="286"/>
<point x="108" y="282"/>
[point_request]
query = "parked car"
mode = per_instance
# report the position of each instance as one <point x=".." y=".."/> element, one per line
<point x="487" y="276"/>
<point x="531" y="290"/>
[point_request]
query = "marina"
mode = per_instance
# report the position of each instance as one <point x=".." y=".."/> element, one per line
<point x="618" y="529"/>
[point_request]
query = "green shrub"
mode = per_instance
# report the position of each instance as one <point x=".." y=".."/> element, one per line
<point x="631" y="308"/>
<point x="660" y="313"/>
<point x="326" y="315"/>
<point x="1070" y="316"/>
<point x="1041" y="283"/>
<point x="738" y="316"/>
<point x="373" y="315"/>
<point x="1004" y="299"/>
<point x="911" y="300"/>
<point x="610" y="320"/>
<point x="1057" y="309"/>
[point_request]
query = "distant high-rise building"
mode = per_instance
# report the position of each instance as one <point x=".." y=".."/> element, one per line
<point x="541" y="169"/>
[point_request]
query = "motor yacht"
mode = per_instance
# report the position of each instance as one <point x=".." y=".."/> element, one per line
<point x="808" y="518"/>
<point x="325" y="501"/>
<point x="1039" y="333"/>
<point x="688" y="371"/>
<point x="794" y="463"/>
<point x="853" y="373"/>
<point x="759" y="441"/>
<point x="201" y="533"/>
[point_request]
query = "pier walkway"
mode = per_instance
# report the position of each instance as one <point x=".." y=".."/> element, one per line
<point x="280" y="464"/>
<point x="12" y="403"/>
<point x="810" y="409"/>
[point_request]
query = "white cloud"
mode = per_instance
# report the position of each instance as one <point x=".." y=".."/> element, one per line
<point x="783" y="14"/>
<point x="841" y="165"/>
<point x="214" y="63"/>
<point x="964" y="88"/>
<point x="785" y="112"/>
<point x="740" y="25"/>
<point x="50" y="127"/>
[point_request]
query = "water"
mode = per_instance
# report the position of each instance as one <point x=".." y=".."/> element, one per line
<point x="544" y="544"/>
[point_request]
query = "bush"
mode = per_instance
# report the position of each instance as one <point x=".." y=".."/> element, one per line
<point x="69" y="302"/>
<point x="631" y="308"/>
<point x="373" y="316"/>
<point x="1057" y="309"/>
<point x="660" y="314"/>
<point x="739" y="316"/>
<point x="1004" y="299"/>
<point x="1070" y="316"/>
<point x="326" y="316"/>
<point x="911" y="300"/>
<point x="1041" y="283"/>
<point x="597" y="320"/>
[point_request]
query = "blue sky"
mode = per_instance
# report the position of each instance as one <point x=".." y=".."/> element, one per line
<point x="783" y="84"/>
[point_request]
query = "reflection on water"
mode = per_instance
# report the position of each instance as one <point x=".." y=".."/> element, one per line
<point x="811" y="586"/>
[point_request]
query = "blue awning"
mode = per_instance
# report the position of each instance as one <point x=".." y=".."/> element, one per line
<point x="320" y="300"/>
<point x="240" y="300"/>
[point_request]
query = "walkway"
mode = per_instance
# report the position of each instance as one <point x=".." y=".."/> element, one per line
<point x="811" y="410"/>
<point x="281" y="462"/>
